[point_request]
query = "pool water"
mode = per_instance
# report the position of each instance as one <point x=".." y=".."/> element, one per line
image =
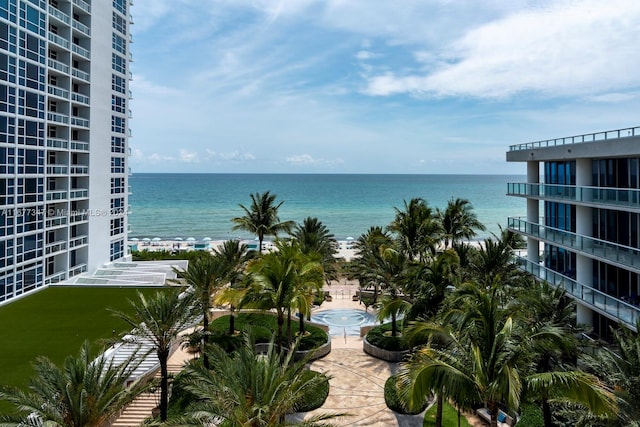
<point x="344" y="320"/>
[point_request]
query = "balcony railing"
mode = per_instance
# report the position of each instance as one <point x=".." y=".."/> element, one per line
<point x="63" y="17"/>
<point x="81" y="27"/>
<point x="79" y="146"/>
<point x="57" y="143"/>
<point x="61" y="41"/>
<point x="56" y="195"/>
<point x="54" y="247"/>
<point x="595" y="248"/>
<point x="79" y="169"/>
<point x="57" y="65"/>
<point x="77" y="241"/>
<point x="617" y="309"/>
<point x="81" y="51"/>
<point x="58" y="118"/>
<point x="578" y="139"/>
<point x="62" y="93"/>
<point x="80" y="74"/>
<point x="79" y="121"/>
<point x="56" y="221"/>
<point x="57" y="169"/>
<point x="78" y="217"/>
<point x="82" y="5"/>
<point x="79" y="98"/>
<point x="78" y="269"/>
<point x="55" y="278"/>
<point x="622" y="197"/>
<point x="79" y="193"/>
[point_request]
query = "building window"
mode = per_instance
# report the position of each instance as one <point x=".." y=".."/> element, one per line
<point x="120" y="6"/>
<point x="118" y="124"/>
<point x="118" y="84"/>
<point x="119" y="44"/>
<point x="117" y="185"/>
<point x="117" y="144"/>
<point x="118" y="63"/>
<point x="119" y="23"/>
<point x="117" y="250"/>
<point x="117" y="165"/>
<point x="118" y="104"/>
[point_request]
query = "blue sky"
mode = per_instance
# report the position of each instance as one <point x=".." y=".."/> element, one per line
<point x="374" y="86"/>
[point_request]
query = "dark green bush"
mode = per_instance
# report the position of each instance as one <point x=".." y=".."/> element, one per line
<point x="315" y="398"/>
<point x="377" y="338"/>
<point x="265" y="327"/>
<point x="531" y="416"/>
<point x="393" y="401"/>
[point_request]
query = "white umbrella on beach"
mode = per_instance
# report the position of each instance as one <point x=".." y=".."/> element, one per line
<point x="206" y="239"/>
<point x="134" y="239"/>
<point x="156" y="239"/>
<point x="178" y="239"/>
<point x="191" y="239"/>
<point x="146" y="239"/>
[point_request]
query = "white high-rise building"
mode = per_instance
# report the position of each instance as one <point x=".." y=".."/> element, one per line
<point x="63" y="139"/>
<point x="583" y="221"/>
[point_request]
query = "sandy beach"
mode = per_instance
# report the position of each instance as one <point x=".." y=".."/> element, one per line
<point x="345" y="247"/>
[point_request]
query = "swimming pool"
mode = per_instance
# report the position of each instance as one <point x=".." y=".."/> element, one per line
<point x="344" y="320"/>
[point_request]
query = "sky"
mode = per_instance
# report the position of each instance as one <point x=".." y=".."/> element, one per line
<point x="374" y="86"/>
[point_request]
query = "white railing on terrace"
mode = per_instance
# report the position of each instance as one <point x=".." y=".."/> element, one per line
<point x="594" y="248"/>
<point x="57" y="65"/>
<point x="623" y="197"/>
<point x="56" y="222"/>
<point x="57" y="169"/>
<point x="79" y="121"/>
<point x="58" y="118"/>
<point x="79" y="145"/>
<point x="77" y="97"/>
<point x="56" y="195"/>
<point x="81" y="27"/>
<point x="78" y="269"/>
<point x="614" y="307"/>
<point x="578" y="139"/>
<point x="62" y="93"/>
<point x="82" y="5"/>
<point x="59" y="14"/>
<point x="80" y="74"/>
<point x="80" y="193"/>
<point x="81" y="51"/>
<point x="59" y="40"/>
<point x="78" y="241"/>
<point x="55" y="278"/>
<point x="57" y="143"/>
<point x="54" y="247"/>
<point x="79" y="169"/>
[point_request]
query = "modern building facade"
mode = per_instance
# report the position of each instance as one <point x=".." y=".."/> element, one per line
<point x="64" y="115"/>
<point x="583" y="221"/>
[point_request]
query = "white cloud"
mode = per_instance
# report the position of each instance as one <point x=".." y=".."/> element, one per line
<point x="189" y="156"/>
<point x="236" y="156"/>
<point x="308" y="160"/>
<point x="572" y="48"/>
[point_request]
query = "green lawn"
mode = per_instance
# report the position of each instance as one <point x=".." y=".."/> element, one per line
<point x="449" y="417"/>
<point x="54" y="322"/>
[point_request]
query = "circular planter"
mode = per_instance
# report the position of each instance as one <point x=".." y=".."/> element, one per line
<point x="316" y="353"/>
<point x="379" y="353"/>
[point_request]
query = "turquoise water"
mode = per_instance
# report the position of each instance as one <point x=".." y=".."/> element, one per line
<point x="202" y="205"/>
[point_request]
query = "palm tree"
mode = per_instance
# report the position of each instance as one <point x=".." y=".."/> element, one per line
<point x="459" y="221"/>
<point x="389" y="271"/>
<point x="206" y="276"/>
<point x="262" y="218"/>
<point x="236" y="255"/>
<point x="314" y="237"/>
<point x="159" y="319"/>
<point x="368" y="250"/>
<point x="244" y="389"/>
<point x="416" y="229"/>
<point x="280" y="280"/>
<point x="83" y="392"/>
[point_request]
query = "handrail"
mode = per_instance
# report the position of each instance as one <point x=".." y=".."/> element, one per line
<point x="627" y="197"/>
<point x="578" y="139"/>
<point x="618" y="309"/>
<point x="595" y="248"/>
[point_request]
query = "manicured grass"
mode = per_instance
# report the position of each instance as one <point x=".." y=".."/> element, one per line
<point x="449" y="417"/>
<point x="54" y="322"/>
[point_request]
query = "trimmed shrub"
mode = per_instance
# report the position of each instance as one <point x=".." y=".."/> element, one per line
<point x="265" y="327"/>
<point x="531" y="416"/>
<point x="393" y="401"/>
<point x="377" y="337"/>
<point x="316" y="397"/>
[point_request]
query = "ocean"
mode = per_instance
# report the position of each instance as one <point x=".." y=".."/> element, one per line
<point x="202" y="205"/>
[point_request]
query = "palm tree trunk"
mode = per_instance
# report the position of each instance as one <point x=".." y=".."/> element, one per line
<point x="288" y="326"/>
<point x="439" y="404"/>
<point x="546" y="413"/>
<point x="301" y="328"/>
<point x="493" y="413"/>
<point x="205" y="338"/>
<point x="280" y="324"/>
<point x="232" y="320"/>
<point x="394" y="326"/>
<point x="163" y="357"/>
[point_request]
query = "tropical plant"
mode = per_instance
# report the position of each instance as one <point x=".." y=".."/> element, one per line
<point x="245" y="389"/>
<point x="282" y="280"/>
<point x="458" y="221"/>
<point x="158" y="320"/>
<point x="417" y="230"/>
<point x="83" y="392"/>
<point x="314" y="237"/>
<point x="205" y="276"/>
<point x="389" y="271"/>
<point x="368" y="251"/>
<point x="236" y="256"/>
<point x="261" y="218"/>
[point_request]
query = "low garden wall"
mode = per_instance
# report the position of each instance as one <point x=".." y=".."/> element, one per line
<point x="379" y="353"/>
